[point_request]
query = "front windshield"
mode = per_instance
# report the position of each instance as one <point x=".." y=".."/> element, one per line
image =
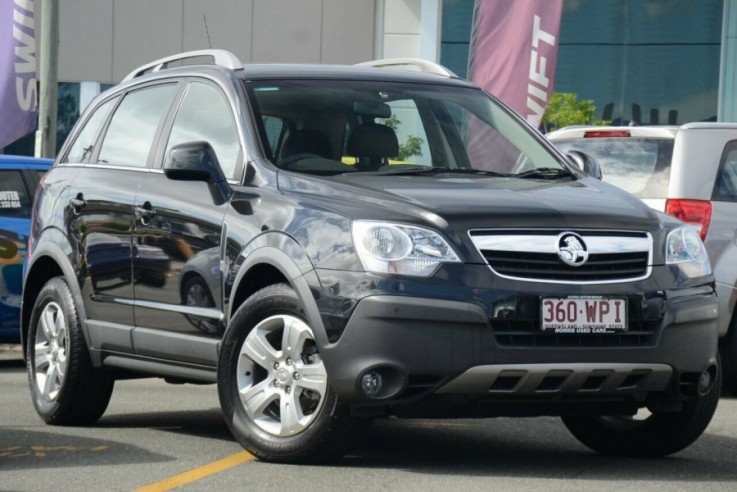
<point x="339" y="126"/>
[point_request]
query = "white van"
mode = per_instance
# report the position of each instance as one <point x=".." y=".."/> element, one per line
<point x="689" y="172"/>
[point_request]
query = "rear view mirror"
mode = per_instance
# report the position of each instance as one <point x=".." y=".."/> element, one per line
<point x="585" y="162"/>
<point x="377" y="110"/>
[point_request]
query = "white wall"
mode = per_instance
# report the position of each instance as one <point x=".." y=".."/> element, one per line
<point x="411" y="28"/>
<point x="402" y="28"/>
<point x="103" y="40"/>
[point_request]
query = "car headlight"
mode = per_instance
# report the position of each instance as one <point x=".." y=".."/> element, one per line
<point x="684" y="249"/>
<point x="385" y="247"/>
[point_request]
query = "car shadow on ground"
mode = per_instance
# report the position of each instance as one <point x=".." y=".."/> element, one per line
<point x="199" y="423"/>
<point x="528" y="448"/>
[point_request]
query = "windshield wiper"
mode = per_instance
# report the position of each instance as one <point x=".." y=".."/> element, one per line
<point x="424" y="170"/>
<point x="545" y="173"/>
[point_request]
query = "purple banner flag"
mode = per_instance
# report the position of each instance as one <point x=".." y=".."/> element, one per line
<point x="513" y="52"/>
<point x="18" y="92"/>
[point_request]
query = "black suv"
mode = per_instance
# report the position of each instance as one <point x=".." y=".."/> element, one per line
<point x="334" y="244"/>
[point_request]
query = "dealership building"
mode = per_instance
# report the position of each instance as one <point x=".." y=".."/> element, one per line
<point x="641" y="61"/>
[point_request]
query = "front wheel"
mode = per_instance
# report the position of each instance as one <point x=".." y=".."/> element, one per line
<point x="66" y="388"/>
<point x="651" y="436"/>
<point x="274" y="389"/>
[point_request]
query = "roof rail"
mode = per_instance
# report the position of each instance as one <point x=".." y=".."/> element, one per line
<point x="222" y="58"/>
<point x="418" y="64"/>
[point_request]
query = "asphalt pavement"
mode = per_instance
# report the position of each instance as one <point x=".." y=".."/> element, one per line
<point x="157" y="436"/>
<point x="10" y="351"/>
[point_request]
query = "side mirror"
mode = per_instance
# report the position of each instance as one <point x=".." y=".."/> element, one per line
<point x="196" y="161"/>
<point x="193" y="161"/>
<point x="585" y="162"/>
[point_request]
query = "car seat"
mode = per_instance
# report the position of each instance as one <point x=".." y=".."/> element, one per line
<point x="372" y="145"/>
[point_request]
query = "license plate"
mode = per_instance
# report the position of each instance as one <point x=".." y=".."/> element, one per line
<point x="582" y="315"/>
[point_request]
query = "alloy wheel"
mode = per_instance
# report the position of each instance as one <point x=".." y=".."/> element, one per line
<point x="282" y="382"/>
<point x="50" y="351"/>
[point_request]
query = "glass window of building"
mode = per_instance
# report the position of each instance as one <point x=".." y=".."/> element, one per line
<point x="647" y="62"/>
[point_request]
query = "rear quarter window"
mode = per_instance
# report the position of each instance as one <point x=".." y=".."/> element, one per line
<point x="133" y="126"/>
<point x="84" y="143"/>
<point x="725" y="188"/>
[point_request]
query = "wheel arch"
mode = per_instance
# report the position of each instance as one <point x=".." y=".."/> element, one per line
<point x="727" y="308"/>
<point x="268" y="264"/>
<point x="50" y="258"/>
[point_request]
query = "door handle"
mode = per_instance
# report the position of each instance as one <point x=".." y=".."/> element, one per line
<point x="77" y="203"/>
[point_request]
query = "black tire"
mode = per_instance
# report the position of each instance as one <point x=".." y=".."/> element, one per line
<point x="658" y="435"/>
<point x="65" y="387"/>
<point x="728" y="353"/>
<point x="325" y="430"/>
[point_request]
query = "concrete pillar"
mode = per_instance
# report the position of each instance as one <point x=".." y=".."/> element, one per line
<point x="430" y="26"/>
<point x="727" y="106"/>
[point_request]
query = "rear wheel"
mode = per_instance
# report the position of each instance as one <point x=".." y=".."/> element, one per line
<point x="728" y="353"/>
<point x="66" y="388"/>
<point x="651" y="435"/>
<point x="274" y="389"/>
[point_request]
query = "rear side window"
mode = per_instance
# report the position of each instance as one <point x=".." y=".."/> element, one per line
<point x="14" y="198"/>
<point x="640" y="166"/>
<point x="84" y="143"/>
<point x="725" y="188"/>
<point x="133" y="126"/>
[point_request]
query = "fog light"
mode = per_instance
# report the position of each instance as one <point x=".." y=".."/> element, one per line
<point x="704" y="382"/>
<point x="371" y="383"/>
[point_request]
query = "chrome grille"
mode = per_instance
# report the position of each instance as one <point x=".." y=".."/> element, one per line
<point x="614" y="256"/>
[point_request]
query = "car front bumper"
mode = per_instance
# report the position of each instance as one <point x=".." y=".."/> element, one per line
<point x="429" y="346"/>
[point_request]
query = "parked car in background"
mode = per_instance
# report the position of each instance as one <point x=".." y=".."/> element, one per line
<point x="18" y="179"/>
<point x="689" y="172"/>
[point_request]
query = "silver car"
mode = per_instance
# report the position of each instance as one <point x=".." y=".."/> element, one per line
<point x="689" y="172"/>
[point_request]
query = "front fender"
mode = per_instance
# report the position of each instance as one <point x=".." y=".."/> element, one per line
<point x="284" y="254"/>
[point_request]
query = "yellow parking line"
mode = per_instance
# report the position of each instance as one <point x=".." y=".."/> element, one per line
<point x="198" y="473"/>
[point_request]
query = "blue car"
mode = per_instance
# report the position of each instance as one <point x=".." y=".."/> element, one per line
<point x="19" y="177"/>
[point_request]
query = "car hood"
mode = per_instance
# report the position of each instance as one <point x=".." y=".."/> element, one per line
<point x="494" y="202"/>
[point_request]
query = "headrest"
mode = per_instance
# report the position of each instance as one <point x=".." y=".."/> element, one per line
<point x="372" y="140"/>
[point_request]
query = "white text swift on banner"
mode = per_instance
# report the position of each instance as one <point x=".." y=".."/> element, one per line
<point x="18" y="92"/>
<point x="513" y="52"/>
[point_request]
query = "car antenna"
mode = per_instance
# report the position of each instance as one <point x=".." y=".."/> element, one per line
<point x="204" y="20"/>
